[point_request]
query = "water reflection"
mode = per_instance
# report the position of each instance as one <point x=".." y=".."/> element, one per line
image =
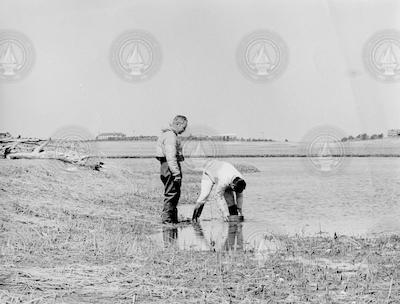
<point x="234" y="240"/>
<point x="282" y="199"/>
<point x="213" y="236"/>
<point x="170" y="235"/>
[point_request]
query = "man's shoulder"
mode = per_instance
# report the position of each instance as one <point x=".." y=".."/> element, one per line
<point x="227" y="169"/>
<point x="222" y="165"/>
<point x="168" y="134"/>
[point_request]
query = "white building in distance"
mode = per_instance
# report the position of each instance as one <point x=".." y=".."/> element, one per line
<point x="111" y="136"/>
<point x="394" y="132"/>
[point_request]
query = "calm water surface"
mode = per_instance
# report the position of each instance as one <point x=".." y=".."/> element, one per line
<point x="285" y="197"/>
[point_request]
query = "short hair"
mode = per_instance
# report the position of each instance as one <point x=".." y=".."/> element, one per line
<point x="178" y="119"/>
<point x="239" y="184"/>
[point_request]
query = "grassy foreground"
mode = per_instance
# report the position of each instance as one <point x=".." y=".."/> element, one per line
<point x="81" y="236"/>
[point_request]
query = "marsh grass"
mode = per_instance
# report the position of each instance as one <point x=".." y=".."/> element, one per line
<point x="94" y="246"/>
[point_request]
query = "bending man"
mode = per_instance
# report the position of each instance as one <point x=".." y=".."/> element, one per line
<point x="229" y="185"/>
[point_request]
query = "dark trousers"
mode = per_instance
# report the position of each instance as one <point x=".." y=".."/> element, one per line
<point x="233" y="210"/>
<point x="172" y="193"/>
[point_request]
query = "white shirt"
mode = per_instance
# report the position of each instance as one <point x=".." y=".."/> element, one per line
<point x="222" y="174"/>
<point x="219" y="175"/>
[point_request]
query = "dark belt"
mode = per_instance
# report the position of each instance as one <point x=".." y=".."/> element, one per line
<point x="163" y="159"/>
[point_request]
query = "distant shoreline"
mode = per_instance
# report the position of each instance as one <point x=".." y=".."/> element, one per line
<point x="255" y="156"/>
<point x="154" y="138"/>
<point x="145" y="149"/>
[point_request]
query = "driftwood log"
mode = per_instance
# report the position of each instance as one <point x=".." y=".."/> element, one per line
<point x="40" y="152"/>
<point x="20" y="140"/>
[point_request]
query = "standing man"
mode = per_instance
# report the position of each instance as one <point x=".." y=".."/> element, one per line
<point x="169" y="153"/>
<point x="229" y="185"/>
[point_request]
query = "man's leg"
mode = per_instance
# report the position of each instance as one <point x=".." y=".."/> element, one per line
<point x="230" y="201"/>
<point x="172" y="192"/>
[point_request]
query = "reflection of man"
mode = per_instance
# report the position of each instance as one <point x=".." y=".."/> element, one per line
<point x="224" y="236"/>
<point x="169" y="153"/>
<point x="170" y="235"/>
<point x="229" y="185"/>
<point x="234" y="240"/>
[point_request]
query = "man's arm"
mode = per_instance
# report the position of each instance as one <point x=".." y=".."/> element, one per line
<point x="170" y="154"/>
<point x="206" y="187"/>
<point x="239" y="202"/>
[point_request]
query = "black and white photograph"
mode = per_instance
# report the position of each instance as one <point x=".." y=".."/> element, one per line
<point x="200" y="152"/>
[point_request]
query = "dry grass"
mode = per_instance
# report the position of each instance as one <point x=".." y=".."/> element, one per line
<point x="83" y="237"/>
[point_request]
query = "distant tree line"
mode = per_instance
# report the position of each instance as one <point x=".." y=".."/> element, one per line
<point x="189" y="137"/>
<point x="222" y="138"/>
<point x="142" y="137"/>
<point x="363" y="136"/>
<point x="129" y="138"/>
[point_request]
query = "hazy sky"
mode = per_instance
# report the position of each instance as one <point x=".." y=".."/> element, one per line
<point x="325" y="82"/>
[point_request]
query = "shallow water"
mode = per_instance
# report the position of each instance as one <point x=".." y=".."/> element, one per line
<point x="288" y="197"/>
<point x="146" y="148"/>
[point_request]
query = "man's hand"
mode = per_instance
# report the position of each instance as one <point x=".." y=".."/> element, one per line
<point x="225" y="216"/>
<point x="239" y="211"/>
<point x="197" y="212"/>
<point x="178" y="179"/>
